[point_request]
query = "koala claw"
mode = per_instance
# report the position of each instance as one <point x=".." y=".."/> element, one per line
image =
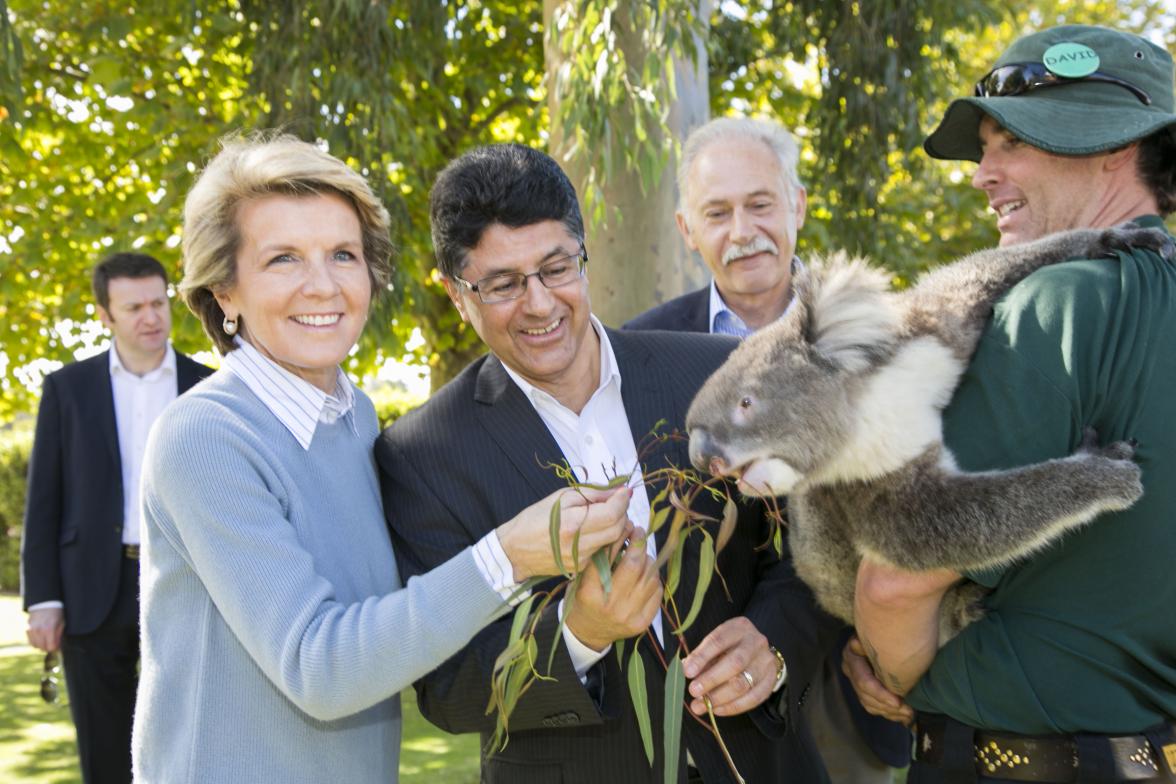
<point x="1131" y="235"/>
<point x="1118" y="450"/>
<point x="1089" y="439"/>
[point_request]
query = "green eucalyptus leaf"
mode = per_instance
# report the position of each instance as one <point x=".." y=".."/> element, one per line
<point x="553" y="529"/>
<point x="639" y="696"/>
<point x="706" y="570"/>
<point x="603" y="568"/>
<point x="727" y="527"/>
<point x="672" y="718"/>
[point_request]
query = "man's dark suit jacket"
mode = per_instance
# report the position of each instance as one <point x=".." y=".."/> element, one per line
<point x="72" y="547"/>
<point x="472" y="458"/>
<point x="687" y="313"/>
<point x="889" y="740"/>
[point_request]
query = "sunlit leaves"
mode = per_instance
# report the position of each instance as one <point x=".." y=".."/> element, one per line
<point x="615" y="86"/>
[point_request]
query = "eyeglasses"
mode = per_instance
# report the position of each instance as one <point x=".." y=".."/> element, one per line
<point x="506" y="286"/>
<point x="49" y="674"/>
<point x="1022" y="77"/>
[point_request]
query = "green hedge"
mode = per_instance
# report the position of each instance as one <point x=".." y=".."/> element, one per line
<point x="16" y="440"/>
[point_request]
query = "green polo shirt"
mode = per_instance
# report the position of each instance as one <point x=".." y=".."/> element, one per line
<point x="1082" y="636"/>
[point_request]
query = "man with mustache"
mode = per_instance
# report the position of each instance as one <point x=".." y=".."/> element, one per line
<point x="740" y="206"/>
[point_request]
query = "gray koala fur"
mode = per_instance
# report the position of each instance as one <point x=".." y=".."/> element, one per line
<point x="838" y="406"/>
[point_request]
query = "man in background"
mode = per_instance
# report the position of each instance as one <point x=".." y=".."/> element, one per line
<point x="80" y="552"/>
<point x="741" y="204"/>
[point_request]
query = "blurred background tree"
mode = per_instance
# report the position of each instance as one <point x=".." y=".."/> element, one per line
<point x="108" y="109"/>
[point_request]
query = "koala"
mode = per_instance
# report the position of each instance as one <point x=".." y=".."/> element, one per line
<point x="838" y="406"/>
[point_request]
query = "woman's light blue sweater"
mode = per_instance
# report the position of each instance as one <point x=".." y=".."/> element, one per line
<point x="276" y="634"/>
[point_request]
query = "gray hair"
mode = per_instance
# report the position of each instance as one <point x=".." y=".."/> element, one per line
<point x="775" y="136"/>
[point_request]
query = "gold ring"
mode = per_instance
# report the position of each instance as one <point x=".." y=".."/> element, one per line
<point x="747" y="676"/>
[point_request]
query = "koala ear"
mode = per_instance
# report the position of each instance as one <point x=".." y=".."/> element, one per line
<point x="852" y="317"/>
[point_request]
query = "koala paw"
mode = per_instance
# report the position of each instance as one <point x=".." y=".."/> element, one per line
<point x="1118" y="450"/>
<point x="1112" y="470"/>
<point x="1130" y="235"/>
<point x="962" y="605"/>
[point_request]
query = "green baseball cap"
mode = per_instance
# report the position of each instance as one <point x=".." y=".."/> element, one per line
<point x="1069" y="90"/>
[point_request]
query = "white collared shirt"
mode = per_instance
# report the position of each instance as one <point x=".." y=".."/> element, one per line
<point x="598" y="445"/>
<point x="300" y="406"/>
<point x="138" y="402"/>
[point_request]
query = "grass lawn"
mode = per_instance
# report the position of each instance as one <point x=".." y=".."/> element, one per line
<point x="37" y="740"/>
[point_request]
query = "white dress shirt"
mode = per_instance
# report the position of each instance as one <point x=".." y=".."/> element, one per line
<point x="598" y="445"/>
<point x="300" y="406"/>
<point x="138" y="402"/>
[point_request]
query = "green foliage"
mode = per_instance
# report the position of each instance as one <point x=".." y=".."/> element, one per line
<point x="15" y="444"/>
<point x="107" y="111"/>
<point x="392" y="402"/>
<point x="615" y="86"/>
<point x="120" y="105"/>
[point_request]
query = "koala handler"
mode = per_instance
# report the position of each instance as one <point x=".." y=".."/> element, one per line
<point x="1071" y="675"/>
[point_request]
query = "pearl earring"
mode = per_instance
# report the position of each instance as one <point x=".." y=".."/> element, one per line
<point x="229" y="326"/>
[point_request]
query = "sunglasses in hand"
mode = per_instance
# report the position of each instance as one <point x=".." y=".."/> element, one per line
<point x="50" y="672"/>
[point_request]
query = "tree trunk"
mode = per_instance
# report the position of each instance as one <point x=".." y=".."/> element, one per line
<point x="637" y="257"/>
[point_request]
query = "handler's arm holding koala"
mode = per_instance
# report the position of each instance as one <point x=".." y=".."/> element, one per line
<point x="897" y="616"/>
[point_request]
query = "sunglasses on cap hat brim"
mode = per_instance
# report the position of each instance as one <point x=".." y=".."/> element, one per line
<point x="1019" y="78"/>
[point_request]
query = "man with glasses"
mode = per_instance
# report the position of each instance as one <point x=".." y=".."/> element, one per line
<point x="558" y="386"/>
<point x="1071" y="673"/>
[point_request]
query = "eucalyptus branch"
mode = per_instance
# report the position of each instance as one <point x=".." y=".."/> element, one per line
<point x="673" y="505"/>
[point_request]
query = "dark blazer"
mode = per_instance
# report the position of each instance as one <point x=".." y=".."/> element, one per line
<point x="72" y="546"/>
<point x="889" y="740"/>
<point x="687" y="313"/>
<point x="470" y="459"/>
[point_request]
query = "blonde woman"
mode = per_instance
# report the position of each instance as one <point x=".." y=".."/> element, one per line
<point x="276" y="630"/>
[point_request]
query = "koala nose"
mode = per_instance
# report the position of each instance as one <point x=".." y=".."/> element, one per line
<point x="704" y="454"/>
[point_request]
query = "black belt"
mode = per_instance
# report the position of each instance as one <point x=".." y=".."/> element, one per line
<point x="131" y="551"/>
<point x="1151" y="756"/>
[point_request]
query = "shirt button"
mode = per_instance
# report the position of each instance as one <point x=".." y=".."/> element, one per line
<point x="588" y="440"/>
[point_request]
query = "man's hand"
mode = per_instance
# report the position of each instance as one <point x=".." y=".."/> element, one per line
<point x="875" y="697"/>
<point x="597" y="619"/>
<point x="717" y="665"/>
<point x="45" y="628"/>
<point x="896" y="613"/>
<point x="598" y="516"/>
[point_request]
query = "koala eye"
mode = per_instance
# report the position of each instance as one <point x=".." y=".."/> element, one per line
<point x="745" y="403"/>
